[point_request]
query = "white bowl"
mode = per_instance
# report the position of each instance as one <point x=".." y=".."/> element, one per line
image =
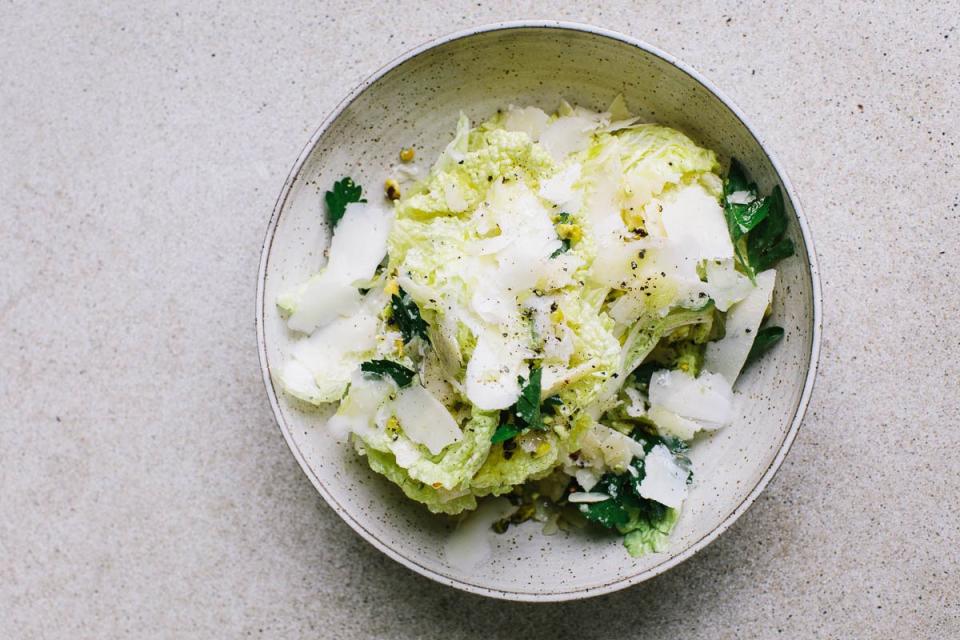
<point x="415" y="100"/>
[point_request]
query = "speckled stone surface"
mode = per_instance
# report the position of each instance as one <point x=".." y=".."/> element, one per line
<point x="144" y="488"/>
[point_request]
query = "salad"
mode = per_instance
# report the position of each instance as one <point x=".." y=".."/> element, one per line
<point x="553" y="312"/>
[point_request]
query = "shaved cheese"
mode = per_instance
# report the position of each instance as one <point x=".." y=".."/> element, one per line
<point x="493" y="372"/>
<point x="741" y="197"/>
<point x="664" y="480"/>
<point x="618" y="449"/>
<point x="470" y="544"/>
<point x="566" y="135"/>
<point x="694" y="222"/>
<point x="358" y="246"/>
<point x="559" y="272"/>
<point x="707" y="399"/>
<point x="299" y="381"/>
<point x="618" y="109"/>
<point x="406" y="173"/>
<point x="528" y="235"/>
<point x="587" y="498"/>
<point x="603" y="449"/>
<point x="437" y="380"/>
<point x="643" y="185"/>
<point x="727" y="356"/>
<point x="725" y="285"/>
<point x="612" y="264"/>
<point x="618" y="263"/>
<point x="587" y="478"/>
<point x="604" y="201"/>
<point x="530" y="120"/>
<point x="321" y="365"/>
<point x="425" y="420"/>
<point x="325" y="298"/>
<point x="636" y="408"/>
<point x="492" y="306"/>
<point x="560" y="188"/>
<point x="358" y="410"/>
<point x="670" y="424"/>
<point x="405" y="452"/>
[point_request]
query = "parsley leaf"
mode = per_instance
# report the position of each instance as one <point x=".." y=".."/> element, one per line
<point x="766" y="338"/>
<point x="526" y="413"/>
<point x="528" y="405"/>
<point x="741" y="218"/>
<point x="564" y="247"/>
<point x="551" y="404"/>
<point x="766" y="244"/>
<point x="609" y="513"/>
<point x="504" y="432"/>
<point x="757" y="229"/>
<point x="643" y="373"/>
<point x="565" y="243"/>
<point x="736" y="178"/>
<point x="380" y="368"/>
<point x="343" y="193"/>
<point x="406" y="315"/>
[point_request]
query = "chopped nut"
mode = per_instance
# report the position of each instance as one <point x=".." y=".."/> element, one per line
<point x="392" y="287"/>
<point x="571" y="232"/>
<point x="392" y="189"/>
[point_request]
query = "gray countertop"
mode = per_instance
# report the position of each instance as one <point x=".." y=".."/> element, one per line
<point x="144" y="487"/>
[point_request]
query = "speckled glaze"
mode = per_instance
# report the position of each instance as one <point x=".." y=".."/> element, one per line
<point x="415" y="101"/>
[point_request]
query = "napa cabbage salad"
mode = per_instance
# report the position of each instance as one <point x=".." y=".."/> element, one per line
<point x="552" y="313"/>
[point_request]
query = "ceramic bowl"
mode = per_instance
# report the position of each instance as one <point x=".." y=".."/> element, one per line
<point x="416" y="100"/>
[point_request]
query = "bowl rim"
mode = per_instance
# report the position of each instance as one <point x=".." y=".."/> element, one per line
<point x="621" y="582"/>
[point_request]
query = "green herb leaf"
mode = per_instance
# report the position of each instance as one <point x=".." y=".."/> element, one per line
<point x="742" y="218"/>
<point x="551" y="404"/>
<point x="564" y="247"/>
<point x="504" y="432"/>
<point x="380" y="368"/>
<point x="343" y="193"/>
<point x="775" y="225"/>
<point x="766" y="244"/>
<point x="763" y="342"/>
<point x="528" y="405"/>
<point x="756" y="229"/>
<point x="736" y="179"/>
<point x="767" y="259"/>
<point x="609" y="513"/>
<point x="643" y="373"/>
<point x="406" y="315"/>
<point x="562" y="218"/>
<point x="526" y="414"/>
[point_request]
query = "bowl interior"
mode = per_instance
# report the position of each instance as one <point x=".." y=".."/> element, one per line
<point x="417" y="103"/>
